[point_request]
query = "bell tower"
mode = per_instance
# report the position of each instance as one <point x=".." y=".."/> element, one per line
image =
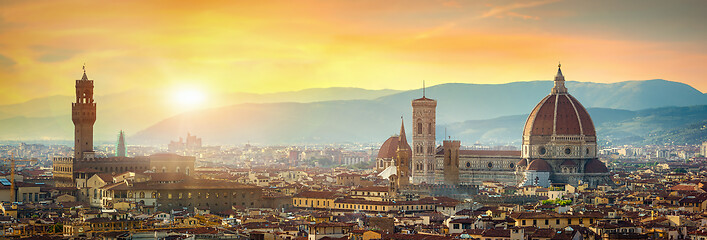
<point x="83" y="114"/>
<point x="423" y="139"/>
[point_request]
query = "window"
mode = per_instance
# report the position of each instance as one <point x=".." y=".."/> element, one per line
<point x="429" y="128"/>
<point x="547" y="222"/>
<point x="456" y="226"/>
<point x="535" y="222"/>
<point x="419" y="126"/>
<point x="523" y="222"/>
<point x="557" y="221"/>
<point x="569" y="221"/>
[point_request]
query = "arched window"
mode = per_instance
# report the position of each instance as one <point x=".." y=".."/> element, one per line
<point x="142" y="194"/>
<point x="419" y="127"/>
<point x="429" y="128"/>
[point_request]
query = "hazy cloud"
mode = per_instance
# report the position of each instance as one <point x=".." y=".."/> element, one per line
<point x="6" y="61"/>
<point x="508" y="10"/>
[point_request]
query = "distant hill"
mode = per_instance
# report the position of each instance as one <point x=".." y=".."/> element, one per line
<point x="368" y="121"/>
<point x="335" y="114"/>
<point x="50" y="117"/>
<point x="673" y="125"/>
<point x="459" y="102"/>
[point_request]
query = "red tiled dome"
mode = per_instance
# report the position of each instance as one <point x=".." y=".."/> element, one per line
<point x="390" y="147"/>
<point x="560" y="113"/>
<point x="539" y="165"/>
<point x="522" y="162"/>
<point x="595" y="166"/>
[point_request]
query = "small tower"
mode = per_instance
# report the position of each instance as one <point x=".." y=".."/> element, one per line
<point x="120" y="149"/>
<point x="423" y="139"/>
<point x="83" y="114"/>
<point x="451" y="161"/>
<point x="402" y="160"/>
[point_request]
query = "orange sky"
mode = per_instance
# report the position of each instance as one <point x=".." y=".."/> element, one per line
<point x="270" y="46"/>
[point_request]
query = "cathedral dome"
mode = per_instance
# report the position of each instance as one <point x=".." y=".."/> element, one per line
<point x="559" y="114"/>
<point x="539" y="165"/>
<point x="390" y="147"/>
<point x="595" y="166"/>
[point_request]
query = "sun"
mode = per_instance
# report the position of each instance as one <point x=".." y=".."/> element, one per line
<point x="188" y="97"/>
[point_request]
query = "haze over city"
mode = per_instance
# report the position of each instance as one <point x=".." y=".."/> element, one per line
<point x="353" y="120"/>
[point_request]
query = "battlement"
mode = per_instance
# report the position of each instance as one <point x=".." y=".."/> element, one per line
<point x="84" y="83"/>
<point x="83" y="104"/>
<point x="63" y="159"/>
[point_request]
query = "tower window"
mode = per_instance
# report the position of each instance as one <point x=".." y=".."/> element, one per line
<point x="429" y="128"/>
<point x="419" y="127"/>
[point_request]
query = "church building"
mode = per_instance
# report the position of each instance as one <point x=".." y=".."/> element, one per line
<point x="559" y="146"/>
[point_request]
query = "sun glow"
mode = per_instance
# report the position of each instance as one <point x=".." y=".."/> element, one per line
<point x="188" y="97"/>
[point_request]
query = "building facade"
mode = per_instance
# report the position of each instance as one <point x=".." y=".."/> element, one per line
<point x="559" y="146"/>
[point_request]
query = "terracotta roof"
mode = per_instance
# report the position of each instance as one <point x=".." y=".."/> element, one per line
<point x="560" y="114"/>
<point x="522" y="162"/>
<point x="595" y="166"/>
<point x="372" y="189"/>
<point x="317" y="194"/>
<point x="539" y="165"/>
<point x="390" y="147"/>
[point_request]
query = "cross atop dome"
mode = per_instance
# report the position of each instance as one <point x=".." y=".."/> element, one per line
<point x="559" y="87"/>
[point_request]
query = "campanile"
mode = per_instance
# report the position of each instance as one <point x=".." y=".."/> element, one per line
<point x="423" y="139"/>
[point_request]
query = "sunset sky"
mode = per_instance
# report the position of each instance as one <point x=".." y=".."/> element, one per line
<point x="271" y="46"/>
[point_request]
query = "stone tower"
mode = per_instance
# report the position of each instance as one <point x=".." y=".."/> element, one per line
<point x="423" y="139"/>
<point x="120" y="150"/>
<point x="402" y="160"/>
<point x="451" y="161"/>
<point x="83" y="114"/>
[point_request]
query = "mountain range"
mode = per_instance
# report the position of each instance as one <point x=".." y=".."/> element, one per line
<point x="624" y="112"/>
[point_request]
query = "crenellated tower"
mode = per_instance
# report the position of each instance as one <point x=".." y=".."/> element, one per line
<point x="83" y="114"/>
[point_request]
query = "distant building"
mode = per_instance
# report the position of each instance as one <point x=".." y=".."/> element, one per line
<point x="120" y="149"/>
<point x="703" y="149"/>
<point x="74" y="171"/>
<point x="192" y="143"/>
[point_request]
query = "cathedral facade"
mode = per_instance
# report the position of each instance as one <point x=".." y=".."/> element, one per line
<point x="559" y="146"/>
<point x="73" y="171"/>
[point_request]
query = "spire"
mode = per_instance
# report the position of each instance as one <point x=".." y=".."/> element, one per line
<point x="403" y="141"/>
<point x="559" y="81"/>
<point x="84" y="73"/>
<point x="423" y="88"/>
<point x="120" y="151"/>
